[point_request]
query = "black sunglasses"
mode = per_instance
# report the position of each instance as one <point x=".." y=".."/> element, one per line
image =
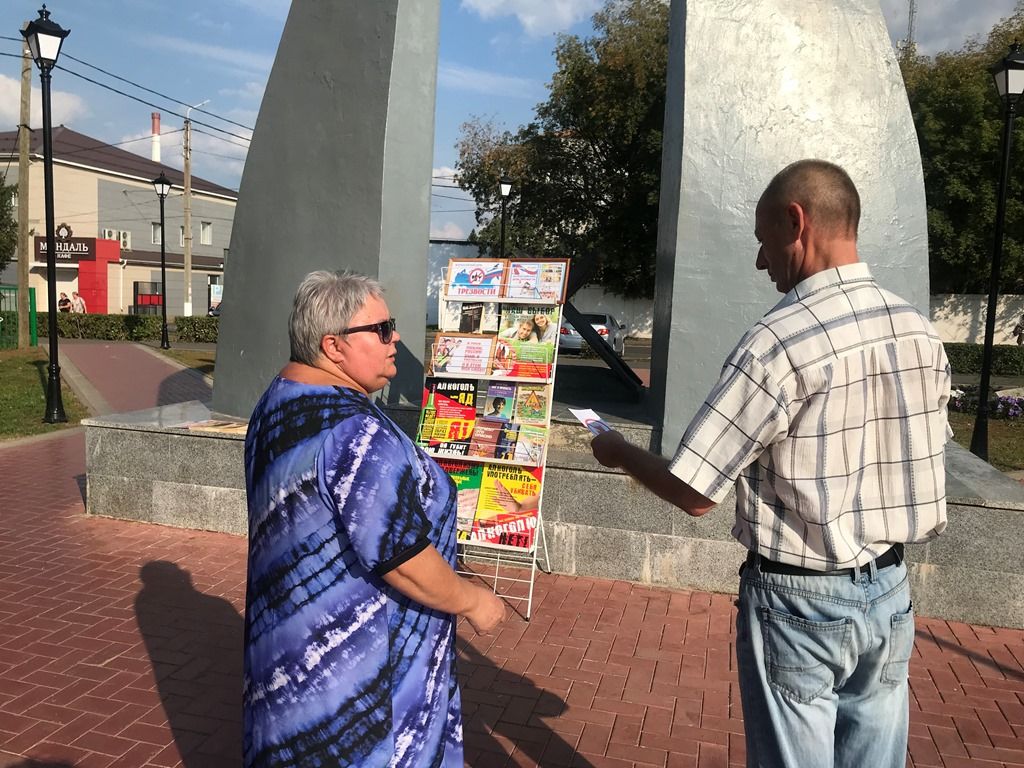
<point x="385" y="330"/>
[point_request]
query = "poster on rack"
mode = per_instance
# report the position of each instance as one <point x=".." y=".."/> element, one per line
<point x="475" y="278"/>
<point x="541" y="279"/>
<point x="507" y="508"/>
<point x="467" y="478"/>
<point x="525" y="345"/>
<point x="448" y="415"/>
<point x="460" y="353"/>
<point x="470" y="317"/>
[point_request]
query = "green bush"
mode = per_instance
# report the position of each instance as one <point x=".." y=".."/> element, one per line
<point x="106" y="327"/>
<point x="197" y="328"/>
<point x="1007" y="360"/>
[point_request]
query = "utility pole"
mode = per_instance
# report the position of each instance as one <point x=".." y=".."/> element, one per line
<point x="910" y="23"/>
<point x="24" y="255"/>
<point x="187" y="203"/>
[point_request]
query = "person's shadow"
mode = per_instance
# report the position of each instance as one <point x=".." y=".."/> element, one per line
<point x="194" y="642"/>
<point x="488" y="711"/>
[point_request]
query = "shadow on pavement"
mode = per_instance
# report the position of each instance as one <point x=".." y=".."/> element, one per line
<point x="182" y="386"/>
<point x="496" y="702"/>
<point x="30" y="763"/>
<point x="194" y="642"/>
<point x="979" y="659"/>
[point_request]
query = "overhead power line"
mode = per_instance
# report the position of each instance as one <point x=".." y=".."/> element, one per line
<point x="157" y="93"/>
<point x="149" y="103"/>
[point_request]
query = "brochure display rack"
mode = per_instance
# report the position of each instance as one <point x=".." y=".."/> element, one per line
<point x="486" y="412"/>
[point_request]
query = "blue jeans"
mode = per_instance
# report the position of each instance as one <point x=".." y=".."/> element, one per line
<point x="823" y="667"/>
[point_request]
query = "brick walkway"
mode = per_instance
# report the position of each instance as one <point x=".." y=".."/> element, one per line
<point x="120" y="645"/>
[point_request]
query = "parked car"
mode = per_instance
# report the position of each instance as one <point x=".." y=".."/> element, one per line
<point x="610" y="329"/>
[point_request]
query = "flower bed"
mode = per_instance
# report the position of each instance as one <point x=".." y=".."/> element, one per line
<point x="965" y="400"/>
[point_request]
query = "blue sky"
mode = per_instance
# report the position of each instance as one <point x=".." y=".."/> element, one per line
<point x="494" y="60"/>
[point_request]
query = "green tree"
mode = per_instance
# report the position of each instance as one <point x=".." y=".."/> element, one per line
<point x="587" y="170"/>
<point x="959" y="124"/>
<point x="8" y="225"/>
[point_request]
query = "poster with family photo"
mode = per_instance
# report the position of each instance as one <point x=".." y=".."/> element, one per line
<point x="457" y="353"/>
<point x="470" y="317"/>
<point x="541" y="279"/>
<point x="475" y="278"/>
<point x="523" y="322"/>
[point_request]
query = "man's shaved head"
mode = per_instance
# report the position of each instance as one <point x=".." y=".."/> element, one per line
<point x="825" y="192"/>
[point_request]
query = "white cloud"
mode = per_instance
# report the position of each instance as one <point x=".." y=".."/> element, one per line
<point x="443" y="177"/>
<point x="274" y="9"/>
<point x="252" y="90"/>
<point x="459" y="78"/>
<point x="447" y="231"/>
<point x="944" y="25"/>
<point x="537" y="17"/>
<point x="238" y="58"/>
<point x="67" y="107"/>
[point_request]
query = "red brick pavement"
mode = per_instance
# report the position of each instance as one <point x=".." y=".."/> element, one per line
<point x="132" y="377"/>
<point x="120" y="645"/>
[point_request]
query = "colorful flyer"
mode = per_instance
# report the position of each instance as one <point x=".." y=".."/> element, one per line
<point x="507" y="510"/>
<point x="589" y="418"/>
<point x="461" y="354"/>
<point x="448" y="415"/>
<point x="541" y="279"/>
<point x="467" y="478"/>
<point x="475" y="278"/>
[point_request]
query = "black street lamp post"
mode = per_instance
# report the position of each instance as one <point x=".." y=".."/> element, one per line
<point x="45" y="38"/>
<point x="1008" y="73"/>
<point x="162" y="185"/>
<point x="505" y="187"/>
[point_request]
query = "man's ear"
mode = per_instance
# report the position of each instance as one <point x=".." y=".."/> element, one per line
<point x="796" y="221"/>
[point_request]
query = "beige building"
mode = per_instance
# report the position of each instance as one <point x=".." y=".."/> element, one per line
<point x="104" y="193"/>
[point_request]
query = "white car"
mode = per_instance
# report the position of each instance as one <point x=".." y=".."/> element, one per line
<point x="610" y="329"/>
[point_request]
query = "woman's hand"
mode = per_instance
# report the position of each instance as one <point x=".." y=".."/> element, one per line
<point x="487" y="613"/>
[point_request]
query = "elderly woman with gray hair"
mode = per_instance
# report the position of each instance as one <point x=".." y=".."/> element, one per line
<point x="352" y="597"/>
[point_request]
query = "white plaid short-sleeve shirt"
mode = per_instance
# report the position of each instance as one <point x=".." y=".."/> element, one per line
<point x="830" y="417"/>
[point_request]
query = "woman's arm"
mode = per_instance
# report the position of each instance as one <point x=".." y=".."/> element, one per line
<point x="430" y="581"/>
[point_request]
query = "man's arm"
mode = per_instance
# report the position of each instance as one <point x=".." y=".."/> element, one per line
<point x="612" y="450"/>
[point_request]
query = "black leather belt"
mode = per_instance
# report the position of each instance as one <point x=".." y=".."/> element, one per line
<point x="892" y="556"/>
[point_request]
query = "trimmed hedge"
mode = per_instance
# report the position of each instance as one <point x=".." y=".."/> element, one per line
<point x="106" y="327"/>
<point x="197" y="328"/>
<point x="1007" y="360"/>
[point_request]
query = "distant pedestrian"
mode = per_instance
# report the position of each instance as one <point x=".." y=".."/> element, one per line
<point x="1018" y="331"/>
<point x="77" y="303"/>
<point x="63" y="303"/>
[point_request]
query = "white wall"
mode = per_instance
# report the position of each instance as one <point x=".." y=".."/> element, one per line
<point x="961" y="317"/>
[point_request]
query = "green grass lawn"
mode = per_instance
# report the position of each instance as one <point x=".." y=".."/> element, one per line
<point x="23" y="395"/>
<point x="1005" y="439"/>
<point x="199" y="360"/>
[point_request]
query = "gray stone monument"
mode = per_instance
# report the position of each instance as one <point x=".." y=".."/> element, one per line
<point x="337" y="177"/>
<point x="754" y="86"/>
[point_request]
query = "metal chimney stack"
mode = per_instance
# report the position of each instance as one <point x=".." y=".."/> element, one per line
<point x="155" y="146"/>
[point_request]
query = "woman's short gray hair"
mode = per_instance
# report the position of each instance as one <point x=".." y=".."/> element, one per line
<point x="324" y="304"/>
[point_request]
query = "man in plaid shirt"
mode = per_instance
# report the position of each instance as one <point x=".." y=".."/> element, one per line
<point x="829" y="418"/>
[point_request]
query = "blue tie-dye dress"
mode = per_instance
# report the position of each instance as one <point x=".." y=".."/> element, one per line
<point x="341" y="669"/>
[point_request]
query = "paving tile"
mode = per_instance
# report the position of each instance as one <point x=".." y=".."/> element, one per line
<point x="608" y="674"/>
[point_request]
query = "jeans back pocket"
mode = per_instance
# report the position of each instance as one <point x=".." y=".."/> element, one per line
<point x="803" y="657"/>
<point x="901" y="647"/>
